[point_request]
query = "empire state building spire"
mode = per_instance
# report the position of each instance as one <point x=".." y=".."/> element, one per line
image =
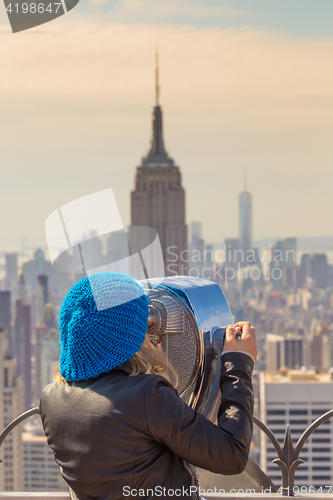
<point x="158" y="198"/>
<point x="157" y="155"/>
<point x="157" y="88"/>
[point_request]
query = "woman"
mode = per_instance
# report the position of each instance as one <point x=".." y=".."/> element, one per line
<point x="113" y="418"/>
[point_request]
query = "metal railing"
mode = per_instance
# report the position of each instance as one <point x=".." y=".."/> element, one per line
<point x="288" y="455"/>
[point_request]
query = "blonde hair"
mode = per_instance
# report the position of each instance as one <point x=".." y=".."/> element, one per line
<point x="149" y="360"/>
<point x="59" y="379"/>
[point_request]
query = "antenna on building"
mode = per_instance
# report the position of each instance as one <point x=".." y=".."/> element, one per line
<point x="157" y="88"/>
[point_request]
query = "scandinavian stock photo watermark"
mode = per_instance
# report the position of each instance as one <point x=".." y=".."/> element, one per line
<point x="226" y="264"/>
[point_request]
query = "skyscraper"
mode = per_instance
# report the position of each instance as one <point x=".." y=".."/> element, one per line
<point x="316" y="267"/>
<point x="297" y="398"/>
<point x="11" y="394"/>
<point x="158" y="200"/>
<point x="196" y="231"/>
<point x="320" y="353"/>
<point x="41" y="471"/>
<point x="41" y="296"/>
<point x="39" y="335"/>
<point x="23" y="338"/>
<point x="245" y="220"/>
<point x="287" y="350"/>
<point x="50" y="351"/>
<point x="11" y="272"/>
<point x="5" y="315"/>
<point x="232" y="252"/>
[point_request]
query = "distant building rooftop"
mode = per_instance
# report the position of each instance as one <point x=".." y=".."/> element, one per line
<point x="288" y="376"/>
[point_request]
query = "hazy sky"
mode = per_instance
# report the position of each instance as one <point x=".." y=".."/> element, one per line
<point x="244" y="84"/>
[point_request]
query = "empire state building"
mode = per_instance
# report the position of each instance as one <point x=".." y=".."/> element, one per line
<point x="158" y="200"/>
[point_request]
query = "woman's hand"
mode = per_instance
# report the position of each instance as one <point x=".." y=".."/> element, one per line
<point x="244" y="339"/>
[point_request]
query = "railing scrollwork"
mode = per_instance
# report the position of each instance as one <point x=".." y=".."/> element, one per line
<point x="288" y="456"/>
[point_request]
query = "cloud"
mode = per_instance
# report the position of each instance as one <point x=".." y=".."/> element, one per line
<point x="279" y="80"/>
<point x="152" y="10"/>
<point x="76" y="106"/>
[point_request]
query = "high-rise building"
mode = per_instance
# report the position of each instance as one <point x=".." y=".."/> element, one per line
<point x="196" y="230"/>
<point x="158" y="200"/>
<point x="284" y="259"/>
<point x="22" y="289"/>
<point x="26" y="320"/>
<point x="38" y="266"/>
<point x="39" y="335"/>
<point x="41" y="472"/>
<point x="320" y="353"/>
<point x="233" y="252"/>
<point x="22" y="344"/>
<point x="293" y="351"/>
<point x="297" y="398"/>
<point x="209" y="254"/>
<point x="11" y="395"/>
<point x="245" y="221"/>
<point x="3" y="348"/>
<point x="50" y="351"/>
<point x="197" y="250"/>
<point x="273" y="345"/>
<point x="46" y="351"/>
<point x="117" y="251"/>
<point x="11" y="272"/>
<point x="316" y="267"/>
<point x="92" y="251"/>
<point x="285" y="351"/>
<point x="284" y="252"/>
<point x="5" y="315"/>
<point x="41" y="296"/>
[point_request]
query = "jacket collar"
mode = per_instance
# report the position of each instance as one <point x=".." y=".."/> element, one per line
<point x="122" y="368"/>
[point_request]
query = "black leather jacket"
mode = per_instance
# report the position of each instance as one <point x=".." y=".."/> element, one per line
<point x="115" y="434"/>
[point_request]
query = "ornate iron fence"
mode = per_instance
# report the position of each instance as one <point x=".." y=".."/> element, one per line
<point x="288" y="455"/>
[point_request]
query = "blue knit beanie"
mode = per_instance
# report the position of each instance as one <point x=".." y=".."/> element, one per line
<point x="96" y="339"/>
